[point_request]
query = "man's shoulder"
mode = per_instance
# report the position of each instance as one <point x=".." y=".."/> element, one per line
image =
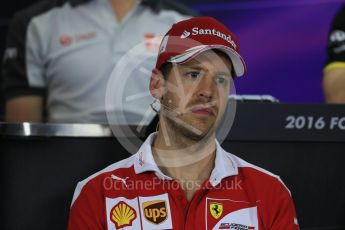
<point x="252" y="169"/>
<point x="257" y="176"/>
<point x="121" y="169"/>
<point x="23" y="18"/>
<point x="36" y="9"/>
<point x="340" y="16"/>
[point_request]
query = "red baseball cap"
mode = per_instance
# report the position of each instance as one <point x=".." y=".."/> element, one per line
<point x="186" y="39"/>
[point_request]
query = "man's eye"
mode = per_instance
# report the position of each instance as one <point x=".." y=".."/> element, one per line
<point x="221" y="80"/>
<point x="193" y="75"/>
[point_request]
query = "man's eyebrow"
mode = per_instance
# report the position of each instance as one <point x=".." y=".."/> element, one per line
<point x="193" y="66"/>
<point x="201" y="67"/>
<point x="224" y="74"/>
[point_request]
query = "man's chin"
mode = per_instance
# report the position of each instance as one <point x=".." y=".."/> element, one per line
<point x="193" y="129"/>
<point x="200" y="134"/>
<point x="195" y="137"/>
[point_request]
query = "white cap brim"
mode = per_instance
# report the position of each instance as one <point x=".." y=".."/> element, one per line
<point x="236" y="59"/>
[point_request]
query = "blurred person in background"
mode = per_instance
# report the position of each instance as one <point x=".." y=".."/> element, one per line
<point x="59" y="55"/>
<point x="334" y="71"/>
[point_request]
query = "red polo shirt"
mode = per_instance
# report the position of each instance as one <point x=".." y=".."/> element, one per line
<point x="135" y="194"/>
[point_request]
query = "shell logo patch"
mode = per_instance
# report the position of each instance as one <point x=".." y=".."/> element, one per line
<point x="155" y="211"/>
<point x="216" y="209"/>
<point x="122" y="215"/>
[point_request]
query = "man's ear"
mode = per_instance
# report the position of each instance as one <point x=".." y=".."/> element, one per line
<point x="157" y="82"/>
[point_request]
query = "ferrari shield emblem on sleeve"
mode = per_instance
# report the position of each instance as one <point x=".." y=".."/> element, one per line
<point x="216" y="209"/>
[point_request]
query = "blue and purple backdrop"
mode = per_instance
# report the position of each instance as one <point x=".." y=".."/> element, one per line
<point x="283" y="42"/>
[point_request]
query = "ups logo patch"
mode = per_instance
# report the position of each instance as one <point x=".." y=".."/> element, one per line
<point x="155" y="211"/>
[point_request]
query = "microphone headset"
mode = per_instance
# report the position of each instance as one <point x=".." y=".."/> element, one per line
<point x="170" y="110"/>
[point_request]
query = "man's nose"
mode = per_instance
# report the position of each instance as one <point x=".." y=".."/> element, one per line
<point x="206" y="87"/>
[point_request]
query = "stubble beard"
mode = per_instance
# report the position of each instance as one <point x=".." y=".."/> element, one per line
<point x="188" y="133"/>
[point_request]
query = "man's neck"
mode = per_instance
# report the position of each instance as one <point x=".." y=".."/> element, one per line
<point x="187" y="161"/>
<point x="122" y="7"/>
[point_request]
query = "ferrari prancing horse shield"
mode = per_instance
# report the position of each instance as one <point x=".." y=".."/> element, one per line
<point x="216" y="209"/>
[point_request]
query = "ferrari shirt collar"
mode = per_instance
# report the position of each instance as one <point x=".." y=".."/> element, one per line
<point x="144" y="160"/>
<point x="225" y="166"/>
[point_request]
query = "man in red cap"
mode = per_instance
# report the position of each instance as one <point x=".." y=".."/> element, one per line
<point x="181" y="178"/>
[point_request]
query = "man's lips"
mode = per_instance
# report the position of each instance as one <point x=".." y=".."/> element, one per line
<point x="201" y="110"/>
